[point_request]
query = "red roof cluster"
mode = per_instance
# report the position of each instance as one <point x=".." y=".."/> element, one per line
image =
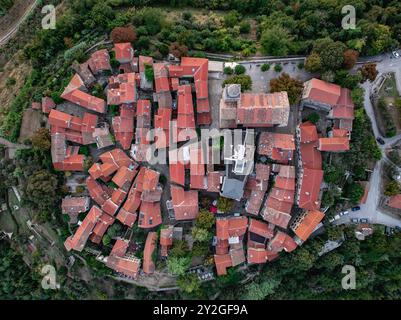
<point x="278" y="206"/>
<point x="277" y="146"/>
<point x="122" y="89"/>
<point x="197" y="68"/>
<point x="121" y="262"/>
<point x="99" y="61"/>
<point x="75" y="94"/>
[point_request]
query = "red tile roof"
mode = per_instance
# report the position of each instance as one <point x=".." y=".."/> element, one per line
<point x="120" y="248"/>
<point x="74" y="205"/>
<point x="166" y="240"/>
<point x="123" y="178"/>
<point x="185" y="119"/>
<point x="128" y="266"/>
<point x="308" y="224"/>
<point x="122" y="89"/>
<point x="285" y="183"/>
<point x="277" y="212"/>
<point x="213" y="181"/>
<point x="116" y="156"/>
<point x="99" y="61"/>
<point x="151" y="179"/>
<point x="222" y="261"/>
<point x="96" y="191"/>
<point x="124" y="52"/>
<point x="185" y="203"/>
<point x="334" y="144"/>
<point x="310" y="189"/>
<point x="277" y="146"/>
<point x="73" y="163"/>
<point x="262" y="171"/>
<point x="101" y="227"/>
<point x="118" y="196"/>
<point x="150" y="246"/>
<point x="322" y="91"/>
<point x="64" y="120"/>
<point x="83" y="99"/>
<point x="110" y="207"/>
<point x="308" y="132"/>
<point x="78" y="240"/>
<point x="149" y="215"/>
<point x="161" y="77"/>
<point x="47" y="104"/>
<point x="260" y="228"/>
<point x="126" y="218"/>
<point x="311" y="157"/>
<point x="263" y="110"/>
<point x="231" y="227"/>
<point x="259" y="255"/>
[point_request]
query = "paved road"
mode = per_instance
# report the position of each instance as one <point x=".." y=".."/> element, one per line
<point x="14" y="28"/>
<point x="370" y="209"/>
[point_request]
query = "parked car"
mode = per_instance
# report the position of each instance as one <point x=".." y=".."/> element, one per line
<point x="363" y="220"/>
<point x="344" y="213"/>
<point x="380" y="140"/>
<point x="396" y="55"/>
<point x="337" y="216"/>
<point x="357" y="208"/>
<point x="354" y="220"/>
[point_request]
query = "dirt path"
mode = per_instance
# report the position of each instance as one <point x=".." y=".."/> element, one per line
<point x="10" y="23"/>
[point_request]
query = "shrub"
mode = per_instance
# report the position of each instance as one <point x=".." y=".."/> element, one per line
<point x="123" y="34"/>
<point x="244" y="80"/>
<point x="228" y="70"/>
<point x="278" y="67"/>
<point x="239" y="69"/>
<point x="244" y="27"/>
<point x="265" y="67"/>
<point x="313" y="117"/>
<point x="11" y="82"/>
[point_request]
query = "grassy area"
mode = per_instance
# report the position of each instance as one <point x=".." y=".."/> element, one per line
<point x="389" y="88"/>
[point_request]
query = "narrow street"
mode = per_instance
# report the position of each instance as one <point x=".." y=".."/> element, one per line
<point x="370" y="210"/>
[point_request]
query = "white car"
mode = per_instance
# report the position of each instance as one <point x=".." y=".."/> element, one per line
<point x="396" y="54"/>
<point x="337" y="216"/>
<point x="344" y="213"/>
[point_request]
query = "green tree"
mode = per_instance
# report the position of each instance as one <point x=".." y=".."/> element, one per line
<point x="276" y="41"/>
<point x="41" y="139"/>
<point x="41" y="190"/>
<point x="292" y="86"/>
<point x="178" y="266"/>
<point x="331" y="53"/>
<point x="354" y="192"/>
<point x="205" y="219"/>
<point x="265" y="67"/>
<point x="224" y="205"/>
<point x="228" y="70"/>
<point x="189" y="283"/>
<point x="179" y="249"/>
<point x="244" y="80"/>
<point x="313" y="63"/>
<point x="239" y="69"/>
<point x="313" y="117"/>
<point x="392" y="188"/>
<point x="258" y="291"/>
<point x="200" y="234"/>
<point x="231" y="19"/>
